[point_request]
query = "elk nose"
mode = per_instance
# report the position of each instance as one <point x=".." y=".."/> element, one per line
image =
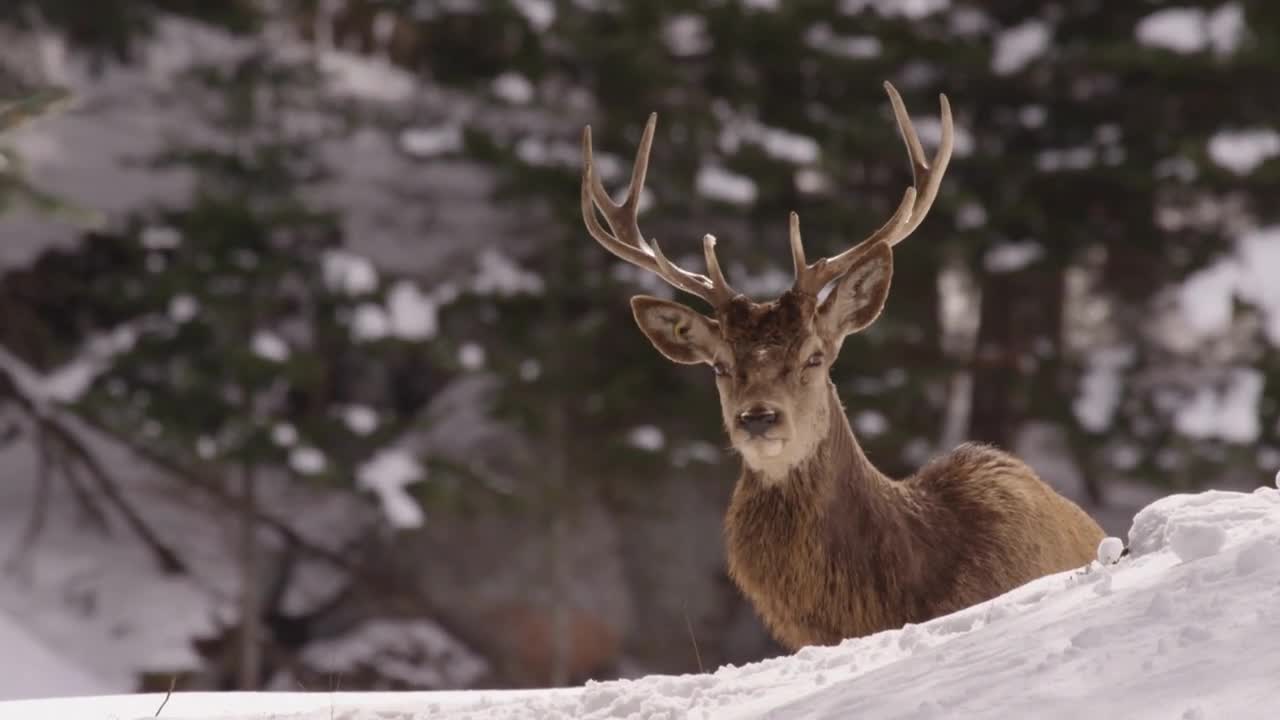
<point x="758" y="420"/>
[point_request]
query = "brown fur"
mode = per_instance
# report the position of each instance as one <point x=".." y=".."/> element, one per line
<point x="824" y="545"/>
<point x="840" y="550"/>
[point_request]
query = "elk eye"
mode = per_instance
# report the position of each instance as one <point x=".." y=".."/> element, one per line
<point x="719" y="369"/>
<point x="814" y="360"/>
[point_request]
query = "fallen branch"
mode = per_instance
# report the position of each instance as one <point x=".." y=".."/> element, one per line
<point x="40" y="504"/>
<point x="384" y="588"/>
<point x="165" y="556"/>
<point x="48" y="419"/>
<point x="88" y="504"/>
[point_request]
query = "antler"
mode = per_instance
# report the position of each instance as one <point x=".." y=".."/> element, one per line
<point x="624" y="238"/>
<point x="915" y="204"/>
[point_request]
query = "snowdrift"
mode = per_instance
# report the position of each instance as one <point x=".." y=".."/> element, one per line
<point x="1186" y="626"/>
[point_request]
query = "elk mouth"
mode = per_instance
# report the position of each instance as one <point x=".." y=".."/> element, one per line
<point x="762" y="446"/>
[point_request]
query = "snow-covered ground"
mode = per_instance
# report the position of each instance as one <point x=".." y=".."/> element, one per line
<point x="1187" y="626"/>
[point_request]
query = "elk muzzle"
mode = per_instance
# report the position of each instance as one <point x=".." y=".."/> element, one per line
<point x="758" y="420"/>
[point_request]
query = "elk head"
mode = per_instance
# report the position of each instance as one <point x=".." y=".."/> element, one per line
<point x="771" y="360"/>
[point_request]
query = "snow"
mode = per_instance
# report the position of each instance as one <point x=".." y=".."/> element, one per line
<point x="1080" y="157"/>
<point x="778" y="143"/>
<point x="539" y="13"/>
<point x="1204" y="300"/>
<point x="513" y="88"/>
<point x="367" y="78"/>
<point x="66" y="383"/>
<point x="284" y="434"/>
<point x="1017" y="46"/>
<point x="971" y="215"/>
<point x="870" y="423"/>
<point x="787" y="146"/>
<point x="427" y="142"/>
<point x="685" y="35"/>
<point x="307" y="460"/>
<point x="41" y="672"/>
<point x="1100" y="388"/>
<point x="206" y="447"/>
<point x="412" y="314"/>
<point x="907" y="9"/>
<point x="718" y="183"/>
<point x="183" y="307"/>
<point x="929" y="128"/>
<point x="1230" y="415"/>
<point x="1184" y="625"/>
<point x="969" y="21"/>
<point x="1012" y="257"/>
<point x="269" y="346"/>
<point x="1196" y="540"/>
<point x="360" y="419"/>
<point x="647" y="437"/>
<point x="97" y="601"/>
<point x="530" y="369"/>
<point x="349" y="273"/>
<point x="811" y="182"/>
<point x="1109" y="550"/>
<point x="414" y="652"/>
<point x="1192" y="30"/>
<point x="387" y="475"/>
<point x="854" y="47"/>
<point x="370" y="322"/>
<point x="499" y="275"/>
<point x="1177" y="29"/>
<point x="471" y="356"/>
<point x="1242" y="151"/>
<point x="770" y="282"/>
<point x="160" y="238"/>
<point x="409" y="314"/>
<point x="697" y="451"/>
<point x="1032" y="116"/>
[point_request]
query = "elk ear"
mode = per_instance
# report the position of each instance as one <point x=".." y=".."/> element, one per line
<point x="859" y="296"/>
<point x="681" y="334"/>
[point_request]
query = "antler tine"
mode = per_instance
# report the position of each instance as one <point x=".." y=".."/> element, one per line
<point x="927" y="177"/>
<point x="624" y="239"/>
<point x="719" y="285"/>
<point x="916" y="201"/>
<point x="797" y="245"/>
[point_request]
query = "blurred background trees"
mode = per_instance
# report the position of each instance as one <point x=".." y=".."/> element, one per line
<point x="329" y="279"/>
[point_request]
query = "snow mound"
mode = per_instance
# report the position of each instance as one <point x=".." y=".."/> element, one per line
<point x="1186" y="622"/>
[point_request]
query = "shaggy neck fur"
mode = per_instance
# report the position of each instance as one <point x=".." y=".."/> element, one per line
<point x="837" y="550"/>
<point x="834" y="517"/>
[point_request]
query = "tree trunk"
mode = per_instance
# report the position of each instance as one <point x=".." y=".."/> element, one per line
<point x="250" y="617"/>
<point x="992" y="412"/>
<point x="558" y="475"/>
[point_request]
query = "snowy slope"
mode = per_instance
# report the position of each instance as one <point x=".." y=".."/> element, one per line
<point x="1188" y="626"/>
<point x="41" y="672"/>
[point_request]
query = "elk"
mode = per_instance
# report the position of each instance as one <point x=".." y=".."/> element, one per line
<point x="824" y="545"/>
